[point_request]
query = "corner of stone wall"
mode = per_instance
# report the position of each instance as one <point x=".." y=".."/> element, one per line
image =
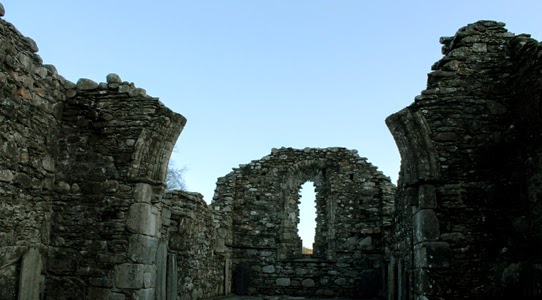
<point x="194" y="235"/>
<point x="416" y="201"/>
<point x="123" y="139"/>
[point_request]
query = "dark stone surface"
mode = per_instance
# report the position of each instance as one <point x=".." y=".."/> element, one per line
<point x="370" y="283"/>
<point x="470" y="147"/>
<point x="242" y="279"/>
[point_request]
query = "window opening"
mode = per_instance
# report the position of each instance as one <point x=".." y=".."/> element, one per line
<point x="307" y="216"/>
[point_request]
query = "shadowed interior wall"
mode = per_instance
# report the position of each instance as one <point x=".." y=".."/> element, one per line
<point x="468" y="209"/>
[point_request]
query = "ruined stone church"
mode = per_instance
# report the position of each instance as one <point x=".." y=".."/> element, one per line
<point x="84" y="213"/>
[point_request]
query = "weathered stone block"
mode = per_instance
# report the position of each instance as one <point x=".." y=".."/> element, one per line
<point x="222" y="232"/>
<point x="426" y="226"/>
<point x="149" y="277"/>
<point x="143" y="193"/>
<point x="130" y="276"/>
<point x="30" y="279"/>
<point x="141" y="219"/>
<point x="220" y="245"/>
<point x="142" y="249"/>
<point x="432" y="255"/>
<point x="427" y="197"/>
<point x="166" y="217"/>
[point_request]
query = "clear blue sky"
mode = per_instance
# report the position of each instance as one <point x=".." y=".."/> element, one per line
<point x="252" y="75"/>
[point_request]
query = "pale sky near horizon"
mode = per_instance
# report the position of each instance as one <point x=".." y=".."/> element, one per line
<point x="252" y="75"/>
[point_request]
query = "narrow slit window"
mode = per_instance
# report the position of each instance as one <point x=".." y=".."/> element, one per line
<point x="307" y="216"/>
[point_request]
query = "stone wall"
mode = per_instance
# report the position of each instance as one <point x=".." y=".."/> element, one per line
<point x="82" y="170"/>
<point x="468" y="214"/>
<point x="83" y="213"/>
<point x="30" y="115"/>
<point x="193" y="233"/>
<point x="113" y="152"/>
<point x="353" y="205"/>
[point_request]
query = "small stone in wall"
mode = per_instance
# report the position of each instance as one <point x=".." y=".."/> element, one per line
<point x="85" y="84"/>
<point x="341" y="281"/>
<point x="113" y="78"/>
<point x="366" y="242"/>
<point x="269" y="269"/>
<point x="51" y="68"/>
<point x="63" y="187"/>
<point x="124" y="89"/>
<point x="308" y="283"/>
<point x="283" y="281"/>
<point x="48" y="163"/>
<point x="266" y="253"/>
<point x="6" y="176"/>
<point x="301" y="271"/>
<point x="41" y="72"/>
<point x="245" y="227"/>
<point x="137" y="92"/>
<point x="32" y="44"/>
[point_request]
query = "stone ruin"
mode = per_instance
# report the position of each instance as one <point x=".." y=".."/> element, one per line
<point x="354" y="205"/>
<point x="84" y="213"/>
